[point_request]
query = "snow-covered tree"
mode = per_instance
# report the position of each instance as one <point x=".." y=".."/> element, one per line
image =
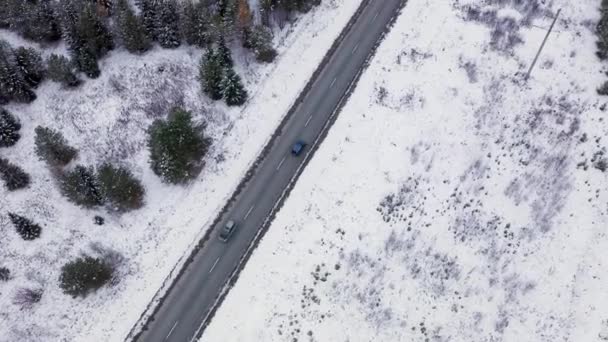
<point x="176" y="147"/>
<point x="27" y="229"/>
<point x="196" y="23"/>
<point x="210" y="74"/>
<point x="14" y="177"/>
<point x="131" y="30"/>
<point x="167" y="25"/>
<point x="224" y="54"/>
<point x="9" y="129"/>
<point x="84" y="275"/>
<point x="87" y="36"/>
<point x="60" y="69"/>
<point x="42" y="24"/>
<point x="81" y="187"/>
<point x="29" y="63"/>
<point x="5" y="274"/>
<point x="259" y="40"/>
<point x="52" y="147"/>
<point x="120" y="189"/>
<point x="13" y="86"/>
<point x="233" y="91"/>
<point x="149" y="10"/>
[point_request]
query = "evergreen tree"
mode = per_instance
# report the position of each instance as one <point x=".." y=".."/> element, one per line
<point x="25" y="227"/>
<point x="196" y="24"/>
<point x="232" y="89"/>
<point x="149" y="16"/>
<point x="87" y="36"/>
<point x="226" y="17"/>
<point x="93" y="32"/>
<point x="81" y="187"/>
<point x="86" y="61"/>
<point x="121" y="190"/>
<point x="176" y="147"/>
<point x="224" y="54"/>
<point x="60" y="70"/>
<point x="42" y="24"/>
<point x="5" y="274"/>
<point x="131" y="30"/>
<point x="602" y="32"/>
<point x="83" y="275"/>
<point x="211" y="72"/>
<point x="32" y="19"/>
<point x="259" y="39"/>
<point x="14" y="177"/>
<point x="12" y="83"/>
<point x="29" y="63"/>
<point x="52" y="147"/>
<point x="9" y="129"/>
<point x="266" y="9"/>
<point x="168" y="29"/>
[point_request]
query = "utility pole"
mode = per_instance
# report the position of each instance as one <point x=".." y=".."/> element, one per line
<point x="543" y="44"/>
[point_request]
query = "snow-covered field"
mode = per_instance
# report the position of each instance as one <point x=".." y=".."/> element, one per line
<point x="451" y="200"/>
<point x="106" y="119"/>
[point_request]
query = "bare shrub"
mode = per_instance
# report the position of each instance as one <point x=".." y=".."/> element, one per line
<point x="26" y="297"/>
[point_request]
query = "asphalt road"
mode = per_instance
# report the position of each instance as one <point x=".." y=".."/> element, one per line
<point x="186" y="306"/>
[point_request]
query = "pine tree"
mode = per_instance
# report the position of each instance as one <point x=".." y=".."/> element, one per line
<point x="211" y="72"/>
<point x="224" y="54"/>
<point x="131" y="30"/>
<point x="87" y="36"/>
<point x="9" y="129"/>
<point x="149" y="15"/>
<point x="25" y="227"/>
<point x="196" y="24"/>
<point x="42" y="24"/>
<point x="81" y="187"/>
<point x="86" y="61"/>
<point x="59" y="69"/>
<point x="5" y="274"/>
<point x="12" y="84"/>
<point x="33" y="20"/>
<point x="232" y="89"/>
<point x="14" y="177"/>
<point x="121" y="190"/>
<point x="94" y="32"/>
<point x="601" y="30"/>
<point x="29" y="63"/>
<point x="266" y="9"/>
<point x="52" y="147"/>
<point x="168" y="29"/>
<point x="226" y="17"/>
<point x="176" y="147"/>
<point x="83" y="275"/>
<point x="259" y="39"/>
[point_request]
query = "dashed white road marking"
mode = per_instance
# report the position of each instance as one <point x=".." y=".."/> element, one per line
<point x="214" y="264"/>
<point x="308" y="121"/>
<point x="355" y="49"/>
<point x="170" y="331"/>
<point x="332" y="82"/>
<point x="249" y="211"/>
<point x="281" y="163"/>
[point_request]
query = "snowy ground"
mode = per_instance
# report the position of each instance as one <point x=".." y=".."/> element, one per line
<point x="106" y="119"/>
<point x="451" y="200"/>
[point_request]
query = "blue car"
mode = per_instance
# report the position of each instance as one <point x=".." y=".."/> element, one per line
<point x="297" y="148"/>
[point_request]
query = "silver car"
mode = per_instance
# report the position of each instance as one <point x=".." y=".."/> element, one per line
<point x="227" y="231"/>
